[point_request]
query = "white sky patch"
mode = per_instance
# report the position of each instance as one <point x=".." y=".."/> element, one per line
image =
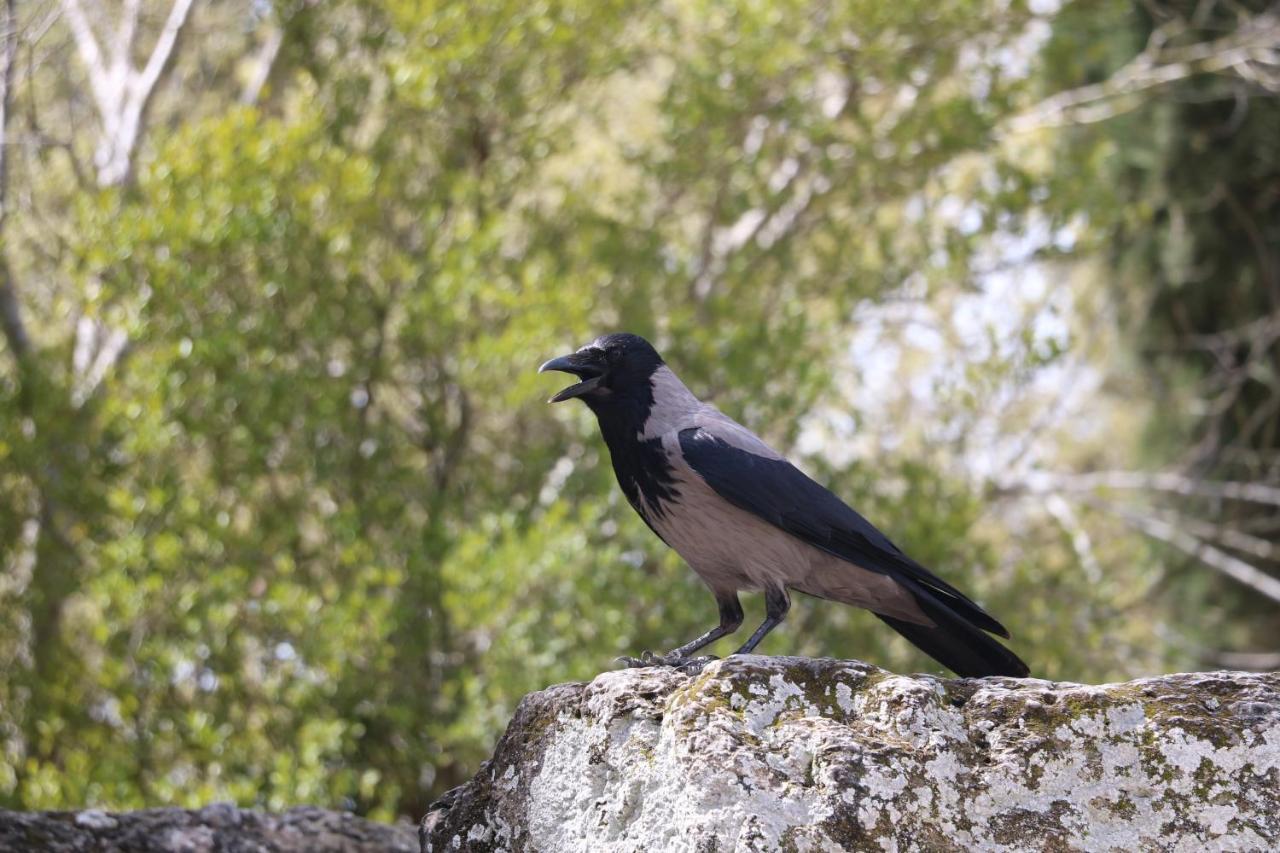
<point x="1013" y="59"/>
<point x="556" y="478"/>
<point x="832" y="91"/>
<point x="988" y="370"/>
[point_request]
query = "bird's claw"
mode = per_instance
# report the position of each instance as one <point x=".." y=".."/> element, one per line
<point x="694" y="666"/>
<point x="647" y="658"/>
<point x="690" y="666"/>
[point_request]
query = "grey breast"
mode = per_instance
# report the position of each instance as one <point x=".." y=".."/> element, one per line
<point x="732" y="549"/>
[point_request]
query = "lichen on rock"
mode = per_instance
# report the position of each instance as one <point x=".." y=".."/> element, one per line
<point x="796" y="754"/>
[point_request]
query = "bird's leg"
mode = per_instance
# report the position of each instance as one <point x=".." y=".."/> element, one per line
<point x="730" y="621"/>
<point x="776" y="604"/>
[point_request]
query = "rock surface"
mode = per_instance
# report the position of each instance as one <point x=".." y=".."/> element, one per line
<point x="795" y="754"/>
<point x="221" y="828"/>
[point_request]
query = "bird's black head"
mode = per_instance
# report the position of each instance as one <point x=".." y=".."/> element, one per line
<point x="614" y="370"/>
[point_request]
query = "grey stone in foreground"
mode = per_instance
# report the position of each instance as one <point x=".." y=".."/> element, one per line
<point x="221" y="828"/>
<point x="796" y="754"/>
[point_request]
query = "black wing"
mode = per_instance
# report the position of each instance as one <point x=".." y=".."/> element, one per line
<point x="784" y="496"/>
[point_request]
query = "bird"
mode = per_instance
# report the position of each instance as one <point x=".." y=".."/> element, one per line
<point x="746" y="519"/>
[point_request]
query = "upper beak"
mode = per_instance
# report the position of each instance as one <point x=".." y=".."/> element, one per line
<point x="564" y="364"/>
<point x="578" y="366"/>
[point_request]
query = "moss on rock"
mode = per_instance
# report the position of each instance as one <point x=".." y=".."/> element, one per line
<point x="761" y="753"/>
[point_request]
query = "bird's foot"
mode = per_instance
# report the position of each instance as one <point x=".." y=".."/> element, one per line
<point x="690" y="666"/>
<point x="648" y="658"/>
<point x="694" y="666"/>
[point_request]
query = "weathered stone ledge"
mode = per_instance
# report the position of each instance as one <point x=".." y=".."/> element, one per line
<point x="795" y="754"/>
<point x="220" y="828"/>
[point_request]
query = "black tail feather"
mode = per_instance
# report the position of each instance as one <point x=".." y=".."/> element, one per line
<point x="852" y="548"/>
<point x="955" y="642"/>
<point x="968" y="611"/>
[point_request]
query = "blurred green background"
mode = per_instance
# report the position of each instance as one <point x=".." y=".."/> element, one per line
<point x="283" y="515"/>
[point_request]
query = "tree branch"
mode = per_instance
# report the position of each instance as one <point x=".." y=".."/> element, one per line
<point x="163" y="51"/>
<point x="1044" y="482"/>
<point x="1257" y="661"/>
<point x="90" y="55"/>
<point x="122" y="93"/>
<point x="1231" y="566"/>
<point x="1250" y="52"/>
<point x="15" y="330"/>
<point x="264" y="61"/>
<point x="1063" y="513"/>
<point x="122" y="50"/>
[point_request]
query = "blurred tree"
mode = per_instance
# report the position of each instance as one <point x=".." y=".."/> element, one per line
<point x="284" y="518"/>
<point x="1174" y="109"/>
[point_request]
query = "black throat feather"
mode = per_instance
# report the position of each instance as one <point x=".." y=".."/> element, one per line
<point x="641" y="465"/>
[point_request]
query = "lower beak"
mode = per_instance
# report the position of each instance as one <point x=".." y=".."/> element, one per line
<point x="569" y="364"/>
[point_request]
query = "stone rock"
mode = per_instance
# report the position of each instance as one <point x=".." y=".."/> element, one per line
<point x="794" y="754"/>
<point x="214" y="828"/>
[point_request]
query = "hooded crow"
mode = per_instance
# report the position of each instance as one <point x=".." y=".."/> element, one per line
<point x="745" y="518"/>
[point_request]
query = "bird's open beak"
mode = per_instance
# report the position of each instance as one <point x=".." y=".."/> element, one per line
<point x="591" y="374"/>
